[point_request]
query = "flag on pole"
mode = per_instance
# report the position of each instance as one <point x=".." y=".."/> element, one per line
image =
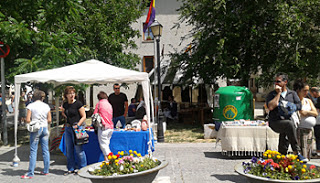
<point x="151" y="16"/>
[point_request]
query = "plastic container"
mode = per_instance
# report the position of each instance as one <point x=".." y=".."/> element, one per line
<point x="233" y="103"/>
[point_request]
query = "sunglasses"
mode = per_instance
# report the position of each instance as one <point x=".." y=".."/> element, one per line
<point x="116" y="88"/>
<point x="278" y="81"/>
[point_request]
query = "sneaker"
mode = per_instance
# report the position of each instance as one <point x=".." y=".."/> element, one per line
<point x="25" y="177"/>
<point x="42" y="173"/>
<point x="302" y="158"/>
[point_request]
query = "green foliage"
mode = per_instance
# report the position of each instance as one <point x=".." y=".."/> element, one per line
<point x="235" y="39"/>
<point x="46" y="34"/>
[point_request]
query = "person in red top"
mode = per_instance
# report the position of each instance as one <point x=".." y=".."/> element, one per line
<point x="104" y="108"/>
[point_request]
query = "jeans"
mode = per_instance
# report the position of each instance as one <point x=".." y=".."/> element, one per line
<point x="73" y="150"/>
<point x="43" y="135"/>
<point x="288" y="133"/>
<point x="122" y="120"/>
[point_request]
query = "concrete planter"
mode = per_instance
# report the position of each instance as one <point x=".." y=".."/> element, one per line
<point x="256" y="179"/>
<point x="142" y="177"/>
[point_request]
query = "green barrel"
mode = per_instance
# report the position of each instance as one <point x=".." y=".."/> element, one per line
<point x="233" y="103"/>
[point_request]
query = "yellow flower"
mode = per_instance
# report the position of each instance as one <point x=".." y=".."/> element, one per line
<point x="109" y="157"/>
<point x="131" y="169"/>
<point x="269" y="155"/>
<point x="290" y="167"/>
<point x="135" y="152"/>
<point x="122" y="153"/>
<point x="304" y="166"/>
<point x="287" y="170"/>
<point x="278" y="157"/>
<point x="101" y="165"/>
<point x="119" y="152"/>
<point x="265" y="155"/>
<point x="130" y="151"/>
<point x="141" y="165"/>
<point x="283" y="156"/>
<point x="116" y="161"/>
<point x="117" y="164"/>
<point x="139" y="154"/>
<point x="303" y="170"/>
<point x="114" y="157"/>
<point x="131" y="155"/>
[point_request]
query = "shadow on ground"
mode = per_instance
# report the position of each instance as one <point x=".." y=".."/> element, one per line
<point x="220" y="156"/>
<point x="23" y="153"/>
<point x="230" y="177"/>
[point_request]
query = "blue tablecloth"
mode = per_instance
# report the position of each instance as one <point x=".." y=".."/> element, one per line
<point x="120" y="141"/>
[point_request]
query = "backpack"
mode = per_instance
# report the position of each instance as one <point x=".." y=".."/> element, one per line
<point x="286" y="109"/>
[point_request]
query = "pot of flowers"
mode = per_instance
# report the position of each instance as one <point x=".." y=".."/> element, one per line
<point x="124" y="167"/>
<point x="274" y="167"/>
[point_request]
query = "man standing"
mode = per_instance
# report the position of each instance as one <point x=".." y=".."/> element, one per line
<point x="286" y="127"/>
<point x="119" y="102"/>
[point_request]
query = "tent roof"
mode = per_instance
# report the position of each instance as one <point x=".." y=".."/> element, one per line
<point x="89" y="72"/>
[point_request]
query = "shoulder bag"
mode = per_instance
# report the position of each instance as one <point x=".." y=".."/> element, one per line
<point x="80" y="136"/>
<point x="97" y="119"/>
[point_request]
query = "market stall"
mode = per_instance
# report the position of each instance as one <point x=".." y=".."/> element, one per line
<point x="88" y="72"/>
<point x="242" y="138"/>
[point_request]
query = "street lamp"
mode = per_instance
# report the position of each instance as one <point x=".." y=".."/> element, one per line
<point x="156" y="29"/>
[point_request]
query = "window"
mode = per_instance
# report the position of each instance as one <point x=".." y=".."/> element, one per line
<point x="148" y="63"/>
<point x="147" y="36"/>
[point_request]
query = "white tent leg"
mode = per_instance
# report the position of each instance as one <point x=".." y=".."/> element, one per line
<point x="16" y="111"/>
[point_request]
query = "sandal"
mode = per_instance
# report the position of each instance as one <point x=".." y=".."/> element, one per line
<point x="68" y="173"/>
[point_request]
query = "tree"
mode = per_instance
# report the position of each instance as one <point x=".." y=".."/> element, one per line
<point x="235" y="39"/>
<point x="46" y="34"/>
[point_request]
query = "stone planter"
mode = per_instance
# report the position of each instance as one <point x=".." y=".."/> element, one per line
<point x="256" y="179"/>
<point x="142" y="177"/>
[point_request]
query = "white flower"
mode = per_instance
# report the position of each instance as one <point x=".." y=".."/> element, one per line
<point x="115" y="174"/>
<point x="121" y="167"/>
<point x="90" y="169"/>
<point x="136" y="160"/>
<point x="135" y="171"/>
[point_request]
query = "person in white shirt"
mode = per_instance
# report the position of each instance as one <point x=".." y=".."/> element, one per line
<point x="39" y="116"/>
<point x="308" y="114"/>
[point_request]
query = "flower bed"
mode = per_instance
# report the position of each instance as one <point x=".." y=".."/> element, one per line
<point x="124" y="163"/>
<point x="273" y="165"/>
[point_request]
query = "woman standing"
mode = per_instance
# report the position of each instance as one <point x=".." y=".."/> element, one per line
<point x="74" y="112"/>
<point x="38" y="112"/>
<point x="104" y="108"/>
<point x="307" y="113"/>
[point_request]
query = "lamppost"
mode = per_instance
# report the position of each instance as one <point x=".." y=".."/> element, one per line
<point x="156" y="29"/>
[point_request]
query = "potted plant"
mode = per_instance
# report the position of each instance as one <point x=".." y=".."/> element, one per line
<point x="124" y="167"/>
<point x="275" y="167"/>
<point x="149" y="38"/>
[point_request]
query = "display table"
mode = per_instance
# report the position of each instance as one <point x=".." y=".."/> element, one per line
<point x="120" y="141"/>
<point x="247" y="140"/>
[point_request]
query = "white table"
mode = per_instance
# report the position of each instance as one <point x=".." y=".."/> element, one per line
<point x="247" y="140"/>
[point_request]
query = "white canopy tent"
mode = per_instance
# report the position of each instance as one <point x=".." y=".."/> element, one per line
<point x="87" y="72"/>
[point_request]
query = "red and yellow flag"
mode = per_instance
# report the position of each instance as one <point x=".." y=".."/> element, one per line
<point x="151" y="16"/>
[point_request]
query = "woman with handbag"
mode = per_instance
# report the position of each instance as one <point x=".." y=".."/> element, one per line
<point x="308" y="114"/>
<point x="37" y="119"/>
<point x="75" y="115"/>
<point x="105" y="130"/>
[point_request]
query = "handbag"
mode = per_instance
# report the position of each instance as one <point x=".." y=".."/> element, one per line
<point x="33" y="127"/>
<point x="286" y="109"/>
<point x="80" y="136"/>
<point x="97" y="119"/>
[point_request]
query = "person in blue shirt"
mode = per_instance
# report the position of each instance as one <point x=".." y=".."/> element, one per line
<point x="132" y="108"/>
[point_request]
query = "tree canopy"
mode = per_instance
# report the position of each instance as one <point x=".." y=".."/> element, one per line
<point x="45" y="34"/>
<point x="235" y="39"/>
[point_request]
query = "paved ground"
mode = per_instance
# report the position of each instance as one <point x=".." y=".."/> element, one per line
<point x="188" y="163"/>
